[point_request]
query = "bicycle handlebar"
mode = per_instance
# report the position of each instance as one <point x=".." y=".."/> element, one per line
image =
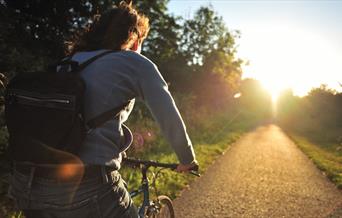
<point x="150" y="163"/>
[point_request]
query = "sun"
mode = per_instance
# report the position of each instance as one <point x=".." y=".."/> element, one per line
<point x="274" y="96"/>
<point x="274" y="86"/>
<point x="286" y="56"/>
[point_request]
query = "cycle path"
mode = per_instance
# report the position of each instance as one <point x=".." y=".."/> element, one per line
<point x="264" y="174"/>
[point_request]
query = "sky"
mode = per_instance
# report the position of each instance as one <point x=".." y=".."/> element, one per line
<point x="289" y="44"/>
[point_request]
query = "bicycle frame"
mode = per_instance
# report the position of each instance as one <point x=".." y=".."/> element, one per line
<point x="144" y="188"/>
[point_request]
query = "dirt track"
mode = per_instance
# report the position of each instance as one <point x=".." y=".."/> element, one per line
<point x="263" y="175"/>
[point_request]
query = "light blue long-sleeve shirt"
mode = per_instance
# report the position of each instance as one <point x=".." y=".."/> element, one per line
<point x="113" y="80"/>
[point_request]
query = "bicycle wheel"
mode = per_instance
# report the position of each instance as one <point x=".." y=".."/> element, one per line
<point x="163" y="208"/>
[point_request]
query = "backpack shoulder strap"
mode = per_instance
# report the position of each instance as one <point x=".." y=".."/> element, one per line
<point x="68" y="64"/>
<point x="91" y="60"/>
<point x="102" y="118"/>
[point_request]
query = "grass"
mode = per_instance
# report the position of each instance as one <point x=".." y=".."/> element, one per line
<point x="327" y="156"/>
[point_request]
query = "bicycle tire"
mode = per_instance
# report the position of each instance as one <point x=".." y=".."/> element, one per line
<point x="165" y="208"/>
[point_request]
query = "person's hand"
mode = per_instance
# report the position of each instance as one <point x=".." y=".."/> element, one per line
<point x="185" y="168"/>
<point x="123" y="155"/>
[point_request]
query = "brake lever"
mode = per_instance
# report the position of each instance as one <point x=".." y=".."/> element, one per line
<point x="195" y="173"/>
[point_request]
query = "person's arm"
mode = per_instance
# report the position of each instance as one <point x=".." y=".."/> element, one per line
<point x="155" y="93"/>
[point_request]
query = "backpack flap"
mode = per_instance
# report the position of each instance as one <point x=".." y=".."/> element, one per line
<point x="41" y="111"/>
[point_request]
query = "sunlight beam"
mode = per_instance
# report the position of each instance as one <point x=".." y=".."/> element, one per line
<point x="283" y="55"/>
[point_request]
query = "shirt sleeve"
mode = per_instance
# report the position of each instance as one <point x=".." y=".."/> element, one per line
<point x="154" y="91"/>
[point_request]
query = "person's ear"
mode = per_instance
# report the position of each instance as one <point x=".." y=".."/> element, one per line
<point x="135" y="46"/>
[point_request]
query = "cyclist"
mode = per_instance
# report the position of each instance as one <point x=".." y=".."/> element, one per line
<point x="111" y="80"/>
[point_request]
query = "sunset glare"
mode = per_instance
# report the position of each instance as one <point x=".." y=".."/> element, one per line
<point x="288" y="44"/>
<point x="289" y="56"/>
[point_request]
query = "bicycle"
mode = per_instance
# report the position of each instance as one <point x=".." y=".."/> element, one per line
<point x="162" y="206"/>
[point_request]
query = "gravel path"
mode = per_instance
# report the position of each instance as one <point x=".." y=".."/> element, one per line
<point x="264" y="174"/>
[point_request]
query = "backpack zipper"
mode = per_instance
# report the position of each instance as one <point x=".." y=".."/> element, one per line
<point x="49" y="100"/>
<point x="61" y="101"/>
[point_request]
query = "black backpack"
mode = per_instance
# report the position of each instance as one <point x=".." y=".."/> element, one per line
<point x="44" y="114"/>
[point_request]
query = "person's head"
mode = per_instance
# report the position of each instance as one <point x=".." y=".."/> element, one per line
<point x="119" y="28"/>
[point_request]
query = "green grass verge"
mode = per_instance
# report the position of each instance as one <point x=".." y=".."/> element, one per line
<point x="326" y="156"/>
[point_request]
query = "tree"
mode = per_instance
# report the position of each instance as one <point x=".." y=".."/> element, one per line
<point x="255" y="101"/>
<point x="161" y="43"/>
<point x="38" y="32"/>
<point x="316" y="115"/>
<point x="324" y="106"/>
<point x="206" y="33"/>
<point x="209" y="49"/>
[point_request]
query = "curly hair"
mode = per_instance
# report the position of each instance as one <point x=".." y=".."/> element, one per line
<point x="115" y="29"/>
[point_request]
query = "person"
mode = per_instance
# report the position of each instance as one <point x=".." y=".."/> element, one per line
<point x="111" y="80"/>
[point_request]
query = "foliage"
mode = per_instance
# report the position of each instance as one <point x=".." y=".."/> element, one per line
<point x="43" y="30"/>
<point x="316" y="115"/>
<point x="161" y="44"/>
<point x="15" y="45"/>
<point x="209" y="49"/>
<point x="204" y="34"/>
<point x="254" y="100"/>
